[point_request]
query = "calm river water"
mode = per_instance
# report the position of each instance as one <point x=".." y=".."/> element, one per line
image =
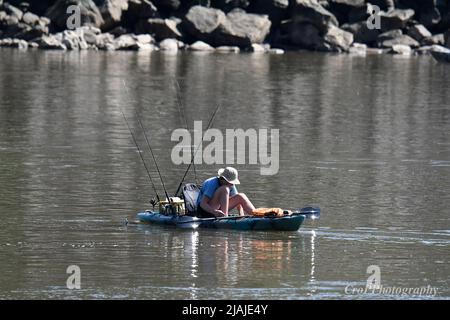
<point x="365" y="138"/>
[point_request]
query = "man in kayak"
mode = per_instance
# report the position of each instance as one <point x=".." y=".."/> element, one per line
<point x="219" y="195"/>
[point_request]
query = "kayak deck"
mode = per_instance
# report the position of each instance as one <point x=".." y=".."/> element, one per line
<point x="286" y="223"/>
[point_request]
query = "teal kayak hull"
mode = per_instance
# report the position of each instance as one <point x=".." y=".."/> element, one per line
<point x="286" y="223"/>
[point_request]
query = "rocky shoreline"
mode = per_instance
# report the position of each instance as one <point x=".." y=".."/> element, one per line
<point x="267" y="26"/>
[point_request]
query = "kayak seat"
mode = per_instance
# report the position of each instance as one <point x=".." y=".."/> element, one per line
<point x="190" y="193"/>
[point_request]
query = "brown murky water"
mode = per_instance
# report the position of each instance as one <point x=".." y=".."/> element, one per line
<point x="366" y="139"/>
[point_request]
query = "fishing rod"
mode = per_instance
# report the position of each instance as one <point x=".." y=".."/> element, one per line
<point x="183" y="117"/>
<point x="151" y="150"/>
<point x="192" y="160"/>
<point x="140" y="153"/>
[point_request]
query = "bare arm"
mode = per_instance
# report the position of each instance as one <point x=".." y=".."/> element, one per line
<point x="207" y="207"/>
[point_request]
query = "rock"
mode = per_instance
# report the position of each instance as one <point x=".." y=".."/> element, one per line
<point x="358" y="49"/>
<point x="226" y="49"/>
<point x="337" y="40"/>
<point x="305" y="35"/>
<point x="423" y="50"/>
<point x="12" y="11"/>
<point x="44" y="21"/>
<point x="144" y="38"/>
<point x="388" y="35"/>
<point x="52" y="42"/>
<point x="237" y="28"/>
<point x="309" y="36"/>
<point x="29" y="33"/>
<point x="89" y="13"/>
<point x="125" y="42"/>
<point x="89" y="34"/>
<point x="277" y="10"/>
<point x="118" y="31"/>
<point x="437" y="39"/>
<point x="342" y="8"/>
<point x="419" y="32"/>
<point x="71" y="39"/>
<point x="30" y="19"/>
<point x="395" y="19"/>
<point x="140" y="9"/>
<point x="14" y="43"/>
<point x="169" y="45"/>
<point x="388" y="39"/>
<point x="159" y="28"/>
<point x="200" y="46"/>
<point x="242" y="29"/>
<point x="276" y="51"/>
<point x="375" y="51"/>
<point x="400" y="49"/>
<point x="310" y="11"/>
<point x="200" y="22"/>
<point x="104" y="41"/>
<point x="257" y="48"/>
<point x="111" y="11"/>
<point x="361" y="33"/>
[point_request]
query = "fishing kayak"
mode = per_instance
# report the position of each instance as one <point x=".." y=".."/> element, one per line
<point x="245" y="223"/>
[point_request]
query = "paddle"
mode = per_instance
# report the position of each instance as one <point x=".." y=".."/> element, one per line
<point x="308" y="212"/>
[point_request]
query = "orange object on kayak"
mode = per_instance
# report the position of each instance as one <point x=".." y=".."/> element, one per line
<point x="270" y="212"/>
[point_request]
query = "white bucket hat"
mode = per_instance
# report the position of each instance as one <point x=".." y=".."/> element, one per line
<point x="230" y="174"/>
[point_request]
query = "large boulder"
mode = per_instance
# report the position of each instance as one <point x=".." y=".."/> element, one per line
<point x="159" y="28"/>
<point x="337" y="40"/>
<point x="395" y="19"/>
<point x="200" y="22"/>
<point x="400" y="49"/>
<point x="312" y="12"/>
<point x="237" y="28"/>
<point x="112" y="11"/>
<point x="89" y="13"/>
<point x="242" y="29"/>
<point x="361" y="33"/>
